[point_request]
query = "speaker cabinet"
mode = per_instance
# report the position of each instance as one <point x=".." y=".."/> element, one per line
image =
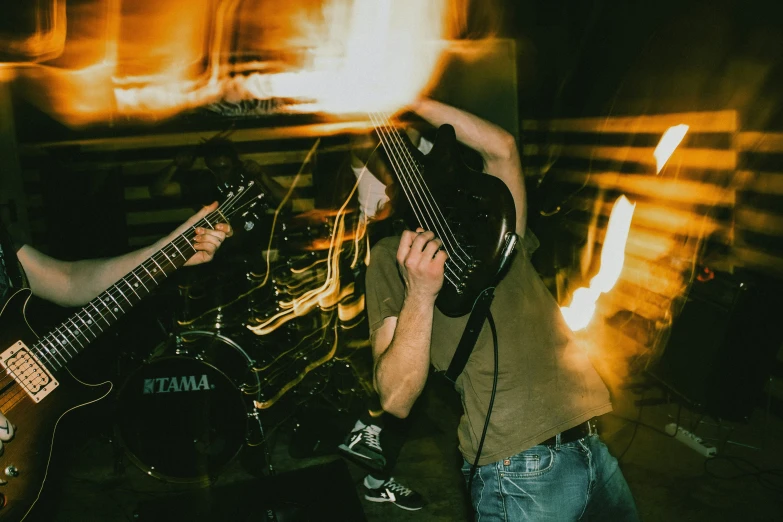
<point x="722" y="346"/>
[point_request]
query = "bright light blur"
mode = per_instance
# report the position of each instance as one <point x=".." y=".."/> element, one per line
<point x="670" y="140"/>
<point x="579" y="313"/>
<point x="150" y="59"/>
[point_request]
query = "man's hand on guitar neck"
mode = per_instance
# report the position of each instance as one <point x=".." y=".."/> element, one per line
<point x="207" y="241"/>
<point x="7" y="431"/>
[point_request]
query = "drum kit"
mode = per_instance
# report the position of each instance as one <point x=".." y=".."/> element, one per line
<point x="248" y="333"/>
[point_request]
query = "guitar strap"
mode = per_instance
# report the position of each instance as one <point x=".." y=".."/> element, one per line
<point x="469" y="337"/>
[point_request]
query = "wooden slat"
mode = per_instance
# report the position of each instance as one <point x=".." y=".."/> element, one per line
<point x="656" y="277"/>
<point x="750" y="141"/>
<point x="142" y="193"/>
<point x="718" y="121"/>
<point x="682" y="157"/>
<point x="759" y="260"/>
<point x="758" y="221"/>
<point x="667" y="189"/>
<point x="660" y="217"/>
<point x="761" y="182"/>
<point x="146" y="167"/>
<point x="638" y="300"/>
<point x="174" y="215"/>
<point x="137" y="193"/>
<point x="151" y="141"/>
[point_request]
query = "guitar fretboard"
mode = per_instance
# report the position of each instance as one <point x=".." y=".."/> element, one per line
<point x="68" y="339"/>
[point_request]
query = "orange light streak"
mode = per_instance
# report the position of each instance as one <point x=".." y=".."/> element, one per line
<point x="325" y="296"/>
<point x="670" y="140"/>
<point x="579" y="313"/>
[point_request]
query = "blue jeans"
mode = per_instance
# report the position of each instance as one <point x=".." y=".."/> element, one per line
<point x="576" y="481"/>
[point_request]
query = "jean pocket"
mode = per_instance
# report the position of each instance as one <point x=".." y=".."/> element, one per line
<point x="529" y="463"/>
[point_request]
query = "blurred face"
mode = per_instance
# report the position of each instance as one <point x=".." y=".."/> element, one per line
<point x="222" y="166"/>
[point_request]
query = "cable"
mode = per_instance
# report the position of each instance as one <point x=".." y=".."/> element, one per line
<point x="491" y="401"/>
<point x="771" y="479"/>
<point x="633" y="435"/>
<point x="642" y="424"/>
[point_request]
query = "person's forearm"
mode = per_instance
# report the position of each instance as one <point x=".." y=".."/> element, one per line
<point x="496" y="146"/>
<point x="401" y="371"/>
<point x="490" y="141"/>
<point x="90" y="277"/>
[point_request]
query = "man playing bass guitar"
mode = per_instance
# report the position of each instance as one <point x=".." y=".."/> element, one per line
<point x="539" y="457"/>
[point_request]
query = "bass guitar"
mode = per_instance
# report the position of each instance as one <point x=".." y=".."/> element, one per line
<point x="473" y="214"/>
<point x="36" y="387"/>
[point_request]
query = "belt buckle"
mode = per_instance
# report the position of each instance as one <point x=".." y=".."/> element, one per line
<point x="592" y="429"/>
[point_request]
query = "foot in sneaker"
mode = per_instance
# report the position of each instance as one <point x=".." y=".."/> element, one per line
<point x="365" y="445"/>
<point x="394" y="492"/>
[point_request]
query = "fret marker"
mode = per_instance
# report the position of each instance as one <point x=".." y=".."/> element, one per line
<point x="136" y="285"/>
<point x="115" y="309"/>
<point x="89" y="321"/>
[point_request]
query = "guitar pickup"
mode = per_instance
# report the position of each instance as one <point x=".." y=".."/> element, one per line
<point x="28" y="371"/>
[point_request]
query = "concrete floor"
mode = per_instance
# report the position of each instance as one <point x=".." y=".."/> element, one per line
<point x="667" y="478"/>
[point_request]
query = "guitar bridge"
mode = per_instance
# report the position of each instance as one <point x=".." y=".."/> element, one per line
<point x="28" y="371"/>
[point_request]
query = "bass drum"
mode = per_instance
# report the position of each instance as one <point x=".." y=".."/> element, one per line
<point x="188" y="410"/>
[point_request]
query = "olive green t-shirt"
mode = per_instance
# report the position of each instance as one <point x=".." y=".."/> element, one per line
<point x="546" y="383"/>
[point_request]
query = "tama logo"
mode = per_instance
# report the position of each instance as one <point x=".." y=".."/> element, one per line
<point x="176" y="384"/>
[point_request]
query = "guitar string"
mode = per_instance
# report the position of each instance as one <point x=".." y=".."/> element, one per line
<point x="414" y="171"/>
<point x="412" y="195"/>
<point x="400" y="173"/>
<point x="453" y="263"/>
<point x="425" y="188"/>
<point x="406" y="176"/>
<point x="415" y="196"/>
<point x="46" y="360"/>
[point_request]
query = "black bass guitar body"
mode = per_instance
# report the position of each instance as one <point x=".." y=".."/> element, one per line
<point x="472" y="213"/>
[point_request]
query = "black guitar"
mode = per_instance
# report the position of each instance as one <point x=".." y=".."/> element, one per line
<point x="473" y="214"/>
<point x="36" y="387"/>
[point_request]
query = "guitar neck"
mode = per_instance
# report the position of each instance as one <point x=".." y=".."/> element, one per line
<point x="62" y="344"/>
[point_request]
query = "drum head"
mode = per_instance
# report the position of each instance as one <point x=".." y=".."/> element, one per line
<point x="181" y="419"/>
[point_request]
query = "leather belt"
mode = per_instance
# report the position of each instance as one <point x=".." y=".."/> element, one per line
<point x="579" y="431"/>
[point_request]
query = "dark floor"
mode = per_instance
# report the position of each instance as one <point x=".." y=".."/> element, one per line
<point x="669" y="480"/>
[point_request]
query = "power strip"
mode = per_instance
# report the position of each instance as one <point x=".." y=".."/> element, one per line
<point x="692" y="441"/>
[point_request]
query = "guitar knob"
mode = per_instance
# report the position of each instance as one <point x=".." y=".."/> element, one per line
<point x="11" y="471"/>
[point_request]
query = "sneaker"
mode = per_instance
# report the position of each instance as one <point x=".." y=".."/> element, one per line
<point x="365" y="445"/>
<point x="394" y="492"/>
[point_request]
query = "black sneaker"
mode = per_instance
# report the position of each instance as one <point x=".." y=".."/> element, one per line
<point x="394" y="492"/>
<point x="365" y="446"/>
